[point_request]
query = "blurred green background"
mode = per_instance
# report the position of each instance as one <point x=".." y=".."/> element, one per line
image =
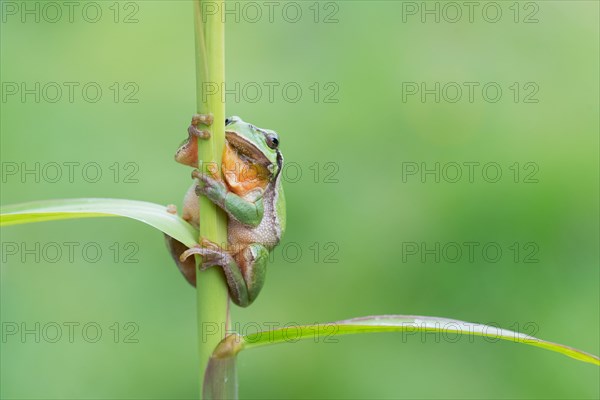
<point x="359" y="206"/>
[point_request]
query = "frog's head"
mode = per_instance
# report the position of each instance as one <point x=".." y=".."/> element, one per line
<point x="255" y="145"/>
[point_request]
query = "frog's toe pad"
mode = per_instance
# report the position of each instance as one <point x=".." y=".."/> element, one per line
<point x="202" y="134"/>
<point x="206" y="119"/>
<point x="210" y="256"/>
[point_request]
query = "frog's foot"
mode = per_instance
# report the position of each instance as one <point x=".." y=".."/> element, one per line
<point x="213" y="171"/>
<point x="202" y="134"/>
<point x="205" y="119"/>
<point x="196" y="174"/>
<point x="210" y="187"/>
<point x="212" y="254"/>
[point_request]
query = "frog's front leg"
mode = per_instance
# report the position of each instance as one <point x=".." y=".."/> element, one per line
<point x="187" y="153"/>
<point x="245" y="211"/>
<point x="197" y="119"/>
<point x="245" y="270"/>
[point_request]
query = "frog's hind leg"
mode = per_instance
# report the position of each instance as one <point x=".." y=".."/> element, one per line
<point x="245" y="271"/>
<point x="214" y="255"/>
<point x="253" y="263"/>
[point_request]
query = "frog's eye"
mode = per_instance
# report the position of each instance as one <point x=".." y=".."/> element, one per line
<point x="272" y="141"/>
<point x="232" y="120"/>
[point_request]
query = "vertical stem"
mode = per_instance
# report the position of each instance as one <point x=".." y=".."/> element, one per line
<point x="212" y="296"/>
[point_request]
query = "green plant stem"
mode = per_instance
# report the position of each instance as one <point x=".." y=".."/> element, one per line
<point x="211" y="289"/>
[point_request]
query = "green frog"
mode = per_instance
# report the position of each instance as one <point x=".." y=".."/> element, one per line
<point x="250" y="191"/>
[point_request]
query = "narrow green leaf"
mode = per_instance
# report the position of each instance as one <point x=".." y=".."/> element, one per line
<point x="155" y="215"/>
<point x="403" y="323"/>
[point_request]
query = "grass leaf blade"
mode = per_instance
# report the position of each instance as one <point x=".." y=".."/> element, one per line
<point x="407" y="323"/>
<point x="152" y="214"/>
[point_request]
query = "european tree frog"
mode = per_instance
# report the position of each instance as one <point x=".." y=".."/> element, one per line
<point x="249" y="190"/>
